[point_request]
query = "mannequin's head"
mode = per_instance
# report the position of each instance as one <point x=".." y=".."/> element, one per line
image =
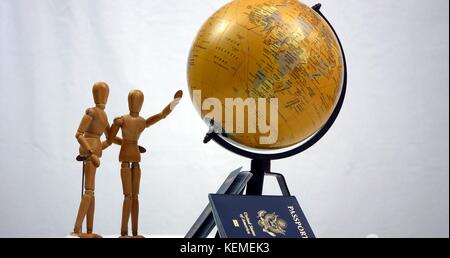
<point x="100" y="91"/>
<point x="135" y="101"/>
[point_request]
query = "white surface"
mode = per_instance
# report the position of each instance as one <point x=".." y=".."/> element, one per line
<point x="382" y="170"/>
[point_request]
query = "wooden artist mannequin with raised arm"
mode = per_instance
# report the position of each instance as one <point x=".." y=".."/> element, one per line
<point x="132" y="126"/>
<point x="92" y="126"/>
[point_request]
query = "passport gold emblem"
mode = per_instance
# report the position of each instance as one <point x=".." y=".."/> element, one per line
<point x="271" y="223"/>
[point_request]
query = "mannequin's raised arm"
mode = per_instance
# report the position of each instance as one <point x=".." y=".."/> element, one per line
<point x="166" y="111"/>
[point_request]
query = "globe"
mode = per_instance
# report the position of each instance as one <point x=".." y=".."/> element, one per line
<point x="267" y="50"/>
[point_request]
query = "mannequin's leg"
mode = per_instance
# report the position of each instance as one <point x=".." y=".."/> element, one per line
<point x="127" y="191"/>
<point x="136" y="179"/>
<point x="87" y="199"/>
<point x="90" y="184"/>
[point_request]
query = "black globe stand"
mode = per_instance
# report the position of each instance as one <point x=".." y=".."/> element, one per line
<point x="259" y="169"/>
<point x="261" y="162"/>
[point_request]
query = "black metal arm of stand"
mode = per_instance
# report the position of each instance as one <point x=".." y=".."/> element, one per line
<point x="281" y="183"/>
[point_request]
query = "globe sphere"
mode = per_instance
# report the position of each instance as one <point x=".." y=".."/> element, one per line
<point x="280" y="51"/>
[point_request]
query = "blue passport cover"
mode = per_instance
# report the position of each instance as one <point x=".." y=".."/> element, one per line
<point x="244" y="216"/>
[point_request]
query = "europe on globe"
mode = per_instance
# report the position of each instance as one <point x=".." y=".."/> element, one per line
<point x="270" y="50"/>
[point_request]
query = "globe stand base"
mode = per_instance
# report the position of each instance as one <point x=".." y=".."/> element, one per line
<point x="235" y="184"/>
<point x="260" y="168"/>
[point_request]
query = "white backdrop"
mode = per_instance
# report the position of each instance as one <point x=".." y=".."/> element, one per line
<point x="383" y="169"/>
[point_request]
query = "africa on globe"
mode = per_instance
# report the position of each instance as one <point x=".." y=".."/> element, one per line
<point x="269" y="72"/>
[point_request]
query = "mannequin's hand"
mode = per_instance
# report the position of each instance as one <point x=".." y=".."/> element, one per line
<point x="178" y="94"/>
<point x="95" y="160"/>
<point x="142" y="149"/>
<point x="81" y="158"/>
<point x="176" y="99"/>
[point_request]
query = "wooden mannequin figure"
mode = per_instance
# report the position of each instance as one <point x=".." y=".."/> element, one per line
<point x="92" y="127"/>
<point x="132" y="126"/>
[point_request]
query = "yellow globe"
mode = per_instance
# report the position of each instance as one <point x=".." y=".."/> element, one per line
<point x="268" y="49"/>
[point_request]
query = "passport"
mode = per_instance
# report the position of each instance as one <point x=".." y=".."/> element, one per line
<point x="245" y="216"/>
